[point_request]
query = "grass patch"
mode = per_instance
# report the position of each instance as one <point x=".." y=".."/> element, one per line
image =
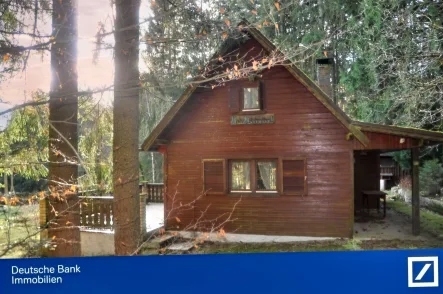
<point x="308" y="246"/>
<point x="315" y="246"/>
<point x="399" y="244"/>
<point x="434" y="207"/>
<point x="220" y="248"/>
<point x="429" y="221"/>
<point x="18" y="224"/>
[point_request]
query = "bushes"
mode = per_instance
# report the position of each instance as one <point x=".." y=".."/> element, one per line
<point x="431" y="177"/>
<point x="406" y="183"/>
<point x="435" y="207"/>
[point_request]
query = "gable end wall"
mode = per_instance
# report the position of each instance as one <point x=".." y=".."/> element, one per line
<point x="303" y="127"/>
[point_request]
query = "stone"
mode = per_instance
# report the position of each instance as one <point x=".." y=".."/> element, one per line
<point x="159" y="242"/>
<point x="150" y="252"/>
<point x="407" y="196"/>
<point x="184" y="246"/>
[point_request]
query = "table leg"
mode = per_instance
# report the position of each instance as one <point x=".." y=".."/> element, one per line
<point x="362" y="204"/>
<point x="366" y="203"/>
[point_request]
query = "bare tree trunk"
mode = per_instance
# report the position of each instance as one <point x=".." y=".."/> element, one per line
<point x="63" y="107"/>
<point x="126" y="128"/>
<point x="12" y="183"/>
<point x="5" y="181"/>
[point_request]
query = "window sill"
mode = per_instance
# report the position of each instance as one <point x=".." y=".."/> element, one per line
<point x="253" y="194"/>
<point x="251" y="112"/>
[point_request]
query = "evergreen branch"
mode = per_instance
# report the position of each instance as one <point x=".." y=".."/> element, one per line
<point x="20" y="106"/>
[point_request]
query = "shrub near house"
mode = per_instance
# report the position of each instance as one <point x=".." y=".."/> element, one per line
<point x="431" y="177"/>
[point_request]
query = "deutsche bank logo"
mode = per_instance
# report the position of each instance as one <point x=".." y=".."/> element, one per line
<point x="423" y="271"/>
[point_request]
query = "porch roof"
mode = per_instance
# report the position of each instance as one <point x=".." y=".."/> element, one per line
<point x="432" y="137"/>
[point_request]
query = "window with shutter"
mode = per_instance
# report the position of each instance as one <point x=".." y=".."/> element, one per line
<point x="294" y="178"/>
<point x="214" y="176"/>
<point x="246" y="97"/>
<point x="251" y="97"/>
<point x="253" y="176"/>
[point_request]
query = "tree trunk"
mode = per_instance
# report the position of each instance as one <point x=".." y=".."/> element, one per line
<point x="12" y="183"/>
<point x="63" y="107"/>
<point x="415" y="163"/>
<point x="126" y="128"/>
<point x="5" y="181"/>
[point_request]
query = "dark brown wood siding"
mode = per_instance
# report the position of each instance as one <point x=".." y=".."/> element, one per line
<point x="367" y="176"/>
<point x="379" y="141"/>
<point x="303" y="128"/>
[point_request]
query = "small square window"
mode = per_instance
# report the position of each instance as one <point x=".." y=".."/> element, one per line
<point x="240" y="176"/>
<point x="251" y="99"/>
<point x="266" y="175"/>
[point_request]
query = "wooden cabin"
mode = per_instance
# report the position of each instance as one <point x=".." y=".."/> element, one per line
<point x="390" y="171"/>
<point x="271" y="155"/>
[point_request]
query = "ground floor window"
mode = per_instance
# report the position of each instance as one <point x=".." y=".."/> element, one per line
<point x="253" y="176"/>
<point x="240" y="176"/>
<point x="286" y="176"/>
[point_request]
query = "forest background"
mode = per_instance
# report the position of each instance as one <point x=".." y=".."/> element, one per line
<point x="388" y="69"/>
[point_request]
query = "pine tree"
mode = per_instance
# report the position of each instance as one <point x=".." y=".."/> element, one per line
<point x="63" y="108"/>
<point x="126" y="128"/>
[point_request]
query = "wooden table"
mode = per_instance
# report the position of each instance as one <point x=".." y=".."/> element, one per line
<point x="379" y="195"/>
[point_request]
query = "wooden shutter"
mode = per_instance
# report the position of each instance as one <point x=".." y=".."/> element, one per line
<point x="214" y="176"/>
<point x="294" y="179"/>
<point x="234" y="98"/>
<point x="261" y="95"/>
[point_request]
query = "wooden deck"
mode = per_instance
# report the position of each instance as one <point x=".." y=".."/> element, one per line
<point x="96" y="212"/>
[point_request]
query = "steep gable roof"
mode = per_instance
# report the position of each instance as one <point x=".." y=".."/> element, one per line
<point x="354" y="128"/>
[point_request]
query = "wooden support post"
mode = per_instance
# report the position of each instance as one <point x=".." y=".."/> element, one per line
<point x="44" y="212"/>
<point x="143" y="226"/>
<point x="415" y="152"/>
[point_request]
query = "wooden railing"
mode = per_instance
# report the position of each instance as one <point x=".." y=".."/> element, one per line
<point x="97" y="212"/>
<point x="394" y="173"/>
<point x="153" y="192"/>
<point x="388" y="170"/>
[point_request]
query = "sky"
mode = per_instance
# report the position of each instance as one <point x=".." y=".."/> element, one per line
<point x="37" y="75"/>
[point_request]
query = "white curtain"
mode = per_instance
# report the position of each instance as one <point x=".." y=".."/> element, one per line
<point x="267" y="173"/>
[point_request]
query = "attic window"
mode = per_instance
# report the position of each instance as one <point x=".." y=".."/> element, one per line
<point x="246" y="97"/>
<point x="251" y="99"/>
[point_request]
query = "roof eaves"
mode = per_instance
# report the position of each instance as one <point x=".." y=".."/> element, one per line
<point x="400" y="131"/>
